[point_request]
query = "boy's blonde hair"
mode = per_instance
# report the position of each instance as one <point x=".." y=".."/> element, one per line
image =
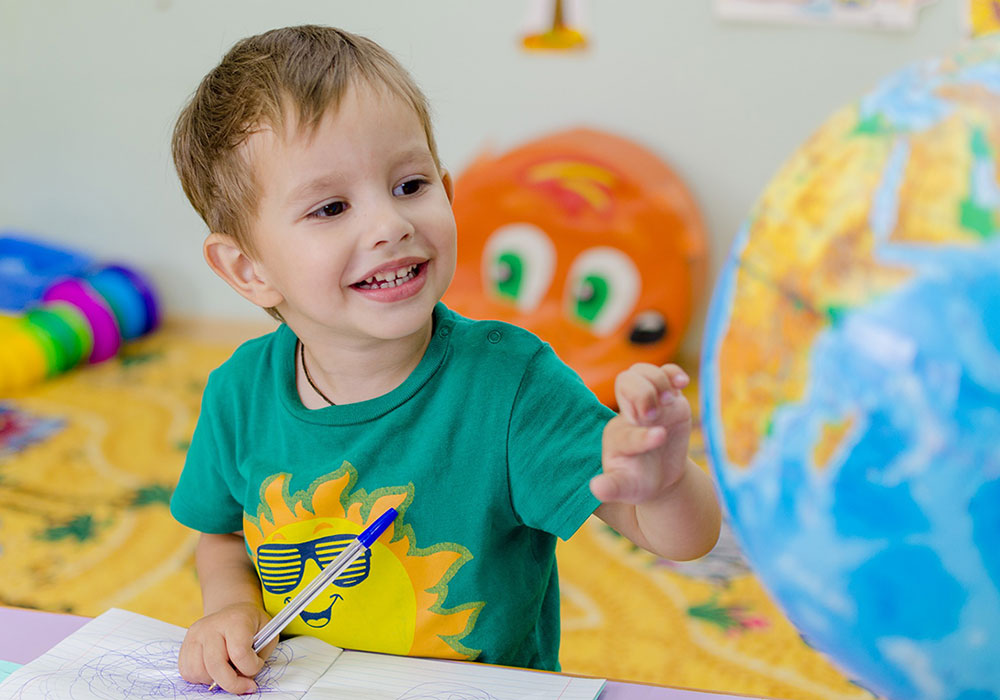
<point x="297" y="72"/>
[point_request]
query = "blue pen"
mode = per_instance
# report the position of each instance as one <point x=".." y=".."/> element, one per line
<point x="296" y="605"/>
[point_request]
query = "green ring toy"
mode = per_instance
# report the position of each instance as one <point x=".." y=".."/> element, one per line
<point x="68" y="345"/>
<point x="75" y="319"/>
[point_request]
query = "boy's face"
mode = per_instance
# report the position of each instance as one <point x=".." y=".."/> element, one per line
<point x="354" y="229"/>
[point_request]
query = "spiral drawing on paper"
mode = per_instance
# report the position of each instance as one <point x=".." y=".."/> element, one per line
<point x="142" y="671"/>
<point x="446" y="691"/>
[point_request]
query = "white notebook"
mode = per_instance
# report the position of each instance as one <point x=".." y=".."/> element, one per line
<point x="125" y="655"/>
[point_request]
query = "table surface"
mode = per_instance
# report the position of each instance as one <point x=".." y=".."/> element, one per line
<point x="27" y="634"/>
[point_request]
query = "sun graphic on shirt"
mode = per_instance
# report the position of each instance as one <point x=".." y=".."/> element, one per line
<point x="389" y="600"/>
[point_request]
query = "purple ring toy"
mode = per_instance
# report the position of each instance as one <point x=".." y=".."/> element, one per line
<point x="107" y="336"/>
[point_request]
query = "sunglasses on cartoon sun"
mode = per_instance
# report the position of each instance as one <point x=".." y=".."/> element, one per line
<point x="282" y="564"/>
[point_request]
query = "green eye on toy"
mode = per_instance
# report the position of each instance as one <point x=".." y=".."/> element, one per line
<point x="591" y="296"/>
<point x="517" y="266"/>
<point x="508" y="275"/>
<point x="603" y="287"/>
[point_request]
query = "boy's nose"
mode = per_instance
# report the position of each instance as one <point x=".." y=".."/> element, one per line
<point x="389" y="225"/>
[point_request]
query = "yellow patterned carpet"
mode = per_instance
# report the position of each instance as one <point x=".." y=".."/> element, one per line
<point x="88" y="461"/>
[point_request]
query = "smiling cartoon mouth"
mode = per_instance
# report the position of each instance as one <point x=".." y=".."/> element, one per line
<point x="322" y="617"/>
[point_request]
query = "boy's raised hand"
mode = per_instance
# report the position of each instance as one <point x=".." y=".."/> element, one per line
<point x="219" y="648"/>
<point x="645" y="446"/>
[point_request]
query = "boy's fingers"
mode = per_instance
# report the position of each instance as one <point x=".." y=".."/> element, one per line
<point x="658" y="376"/>
<point x="619" y="486"/>
<point x="678" y="377"/>
<point x="625" y="389"/>
<point x="218" y="667"/>
<point x="607" y="487"/>
<point x="644" y="388"/>
<point x="673" y="380"/>
<point x="266" y="652"/>
<point x="191" y="664"/>
<point x="628" y="440"/>
<point x="637" y="392"/>
<point x="242" y="657"/>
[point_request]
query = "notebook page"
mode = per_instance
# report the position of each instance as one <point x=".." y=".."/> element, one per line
<point x="122" y="654"/>
<point x="362" y="676"/>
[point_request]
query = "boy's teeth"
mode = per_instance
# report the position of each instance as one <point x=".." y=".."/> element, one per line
<point x="390" y="278"/>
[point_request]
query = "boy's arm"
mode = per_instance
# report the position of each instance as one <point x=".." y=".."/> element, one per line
<point x="226" y="574"/>
<point x="681" y="525"/>
<point x="219" y="647"/>
<point x="651" y="492"/>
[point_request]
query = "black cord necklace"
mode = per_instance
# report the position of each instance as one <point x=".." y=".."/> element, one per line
<point x="302" y="355"/>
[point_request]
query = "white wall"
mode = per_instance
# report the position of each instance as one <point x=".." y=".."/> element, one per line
<point x="89" y="91"/>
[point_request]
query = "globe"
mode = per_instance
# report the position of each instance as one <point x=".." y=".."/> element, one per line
<point x="851" y="383"/>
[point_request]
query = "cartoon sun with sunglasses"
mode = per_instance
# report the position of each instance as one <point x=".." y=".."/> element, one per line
<point x="384" y="597"/>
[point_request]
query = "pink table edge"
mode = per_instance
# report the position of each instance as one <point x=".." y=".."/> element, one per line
<point x="27" y="634"/>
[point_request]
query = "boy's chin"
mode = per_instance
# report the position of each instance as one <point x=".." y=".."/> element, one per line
<point x="397" y="325"/>
<point x="380" y="321"/>
<point x="401" y="328"/>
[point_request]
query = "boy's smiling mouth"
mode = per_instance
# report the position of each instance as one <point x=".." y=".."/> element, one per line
<point x="391" y="278"/>
<point x="394" y="283"/>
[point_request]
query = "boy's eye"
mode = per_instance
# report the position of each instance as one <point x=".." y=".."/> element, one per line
<point x="328" y="210"/>
<point x="409" y="187"/>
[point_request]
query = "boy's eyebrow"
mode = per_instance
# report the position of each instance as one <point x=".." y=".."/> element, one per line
<point x="311" y="188"/>
<point x="323" y="183"/>
<point x="419" y="152"/>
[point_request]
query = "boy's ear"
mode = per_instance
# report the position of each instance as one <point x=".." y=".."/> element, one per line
<point x="228" y="260"/>
<point x="449" y="187"/>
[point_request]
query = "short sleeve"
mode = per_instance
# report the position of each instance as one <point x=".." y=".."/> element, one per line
<point x="203" y="499"/>
<point x="554" y="446"/>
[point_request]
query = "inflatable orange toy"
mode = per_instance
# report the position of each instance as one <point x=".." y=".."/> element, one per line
<point x="587" y="240"/>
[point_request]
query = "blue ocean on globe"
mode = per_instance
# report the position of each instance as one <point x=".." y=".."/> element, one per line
<point x="886" y="557"/>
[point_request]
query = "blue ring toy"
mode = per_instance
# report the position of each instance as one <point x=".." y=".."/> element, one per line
<point x="145" y="290"/>
<point x="125" y="301"/>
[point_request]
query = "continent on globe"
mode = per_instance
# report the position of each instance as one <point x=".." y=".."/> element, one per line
<point x="851" y="383"/>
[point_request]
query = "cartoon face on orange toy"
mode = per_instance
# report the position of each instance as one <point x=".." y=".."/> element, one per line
<point x="587" y="240"/>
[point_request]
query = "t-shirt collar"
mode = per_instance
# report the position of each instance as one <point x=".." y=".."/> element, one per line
<point x="362" y="411"/>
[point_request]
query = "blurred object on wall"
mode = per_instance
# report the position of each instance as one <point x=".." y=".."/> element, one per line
<point x="981" y="16"/>
<point x="554" y="26"/>
<point x="874" y="14"/>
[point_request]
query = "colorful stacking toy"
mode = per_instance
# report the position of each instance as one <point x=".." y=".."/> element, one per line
<point x="59" y="309"/>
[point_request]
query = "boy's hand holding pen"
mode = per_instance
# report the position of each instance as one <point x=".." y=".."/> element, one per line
<point x="234" y="664"/>
<point x="226" y="654"/>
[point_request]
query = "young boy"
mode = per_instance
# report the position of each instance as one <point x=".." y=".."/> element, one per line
<point x="308" y="152"/>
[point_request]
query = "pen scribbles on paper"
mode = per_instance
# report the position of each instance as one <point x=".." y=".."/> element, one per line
<point x="446" y="691"/>
<point x="144" y="671"/>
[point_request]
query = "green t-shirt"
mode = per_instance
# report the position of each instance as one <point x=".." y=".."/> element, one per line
<point x="486" y="450"/>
